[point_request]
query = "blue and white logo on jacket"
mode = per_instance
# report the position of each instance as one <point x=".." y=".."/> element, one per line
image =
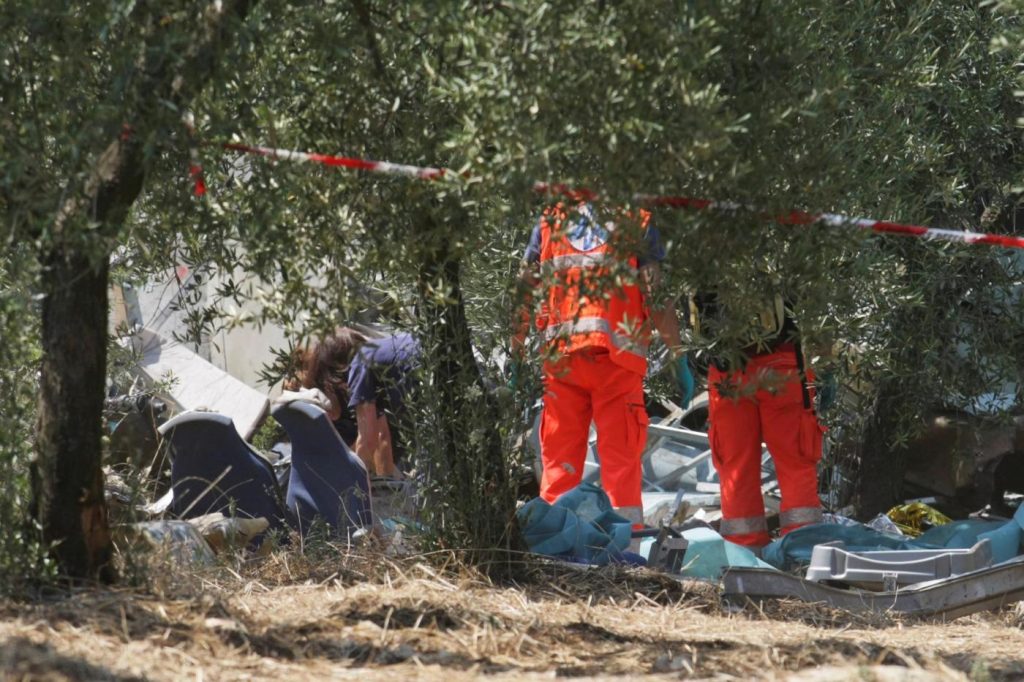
<point x="585" y="232"/>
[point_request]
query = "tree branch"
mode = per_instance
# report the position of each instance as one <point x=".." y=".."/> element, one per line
<point x="363" y="13"/>
<point x="117" y="177"/>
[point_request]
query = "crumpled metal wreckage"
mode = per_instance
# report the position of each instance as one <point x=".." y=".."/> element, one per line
<point x="949" y="583"/>
<point x="955" y="568"/>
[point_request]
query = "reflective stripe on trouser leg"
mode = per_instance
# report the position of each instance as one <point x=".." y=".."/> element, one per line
<point x="793" y="436"/>
<point x="745" y="526"/>
<point x="736" y="452"/>
<point x="799" y="516"/>
<point x="564" y="429"/>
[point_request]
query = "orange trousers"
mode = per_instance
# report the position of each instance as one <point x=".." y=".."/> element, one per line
<point x="764" y="403"/>
<point x="587" y="385"/>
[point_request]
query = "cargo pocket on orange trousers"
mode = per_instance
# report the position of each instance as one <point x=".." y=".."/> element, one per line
<point x="811" y="436"/>
<point x="637" y="423"/>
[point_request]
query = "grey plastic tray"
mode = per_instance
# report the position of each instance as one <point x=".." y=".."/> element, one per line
<point x="987" y="588"/>
<point x="889" y="568"/>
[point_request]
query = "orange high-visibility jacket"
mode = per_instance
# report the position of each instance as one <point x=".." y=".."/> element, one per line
<point x="593" y="298"/>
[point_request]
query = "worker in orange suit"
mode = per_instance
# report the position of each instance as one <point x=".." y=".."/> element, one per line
<point x="598" y="270"/>
<point x="764" y="393"/>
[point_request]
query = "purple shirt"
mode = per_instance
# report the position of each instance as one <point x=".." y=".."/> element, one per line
<point x="380" y="371"/>
<point x="381" y="374"/>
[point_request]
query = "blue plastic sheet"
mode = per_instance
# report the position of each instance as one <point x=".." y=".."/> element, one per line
<point x="1006" y="540"/>
<point x="794" y="549"/>
<point x="580" y="526"/>
<point x="956" y="535"/>
<point x="708" y="554"/>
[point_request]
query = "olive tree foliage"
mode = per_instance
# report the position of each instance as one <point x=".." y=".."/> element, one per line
<point x="503" y="95"/>
<point x="23" y="559"/>
<point x="896" y="110"/>
<point x="956" y="335"/>
<point x="903" y="112"/>
<point x="91" y="93"/>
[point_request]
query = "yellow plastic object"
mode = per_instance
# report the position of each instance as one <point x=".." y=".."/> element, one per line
<point x="916" y="517"/>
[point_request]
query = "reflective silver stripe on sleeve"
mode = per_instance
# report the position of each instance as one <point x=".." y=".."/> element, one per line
<point x="800" y="516"/>
<point x="589" y="325"/>
<point x="742" y="526"/>
<point x="578" y="260"/>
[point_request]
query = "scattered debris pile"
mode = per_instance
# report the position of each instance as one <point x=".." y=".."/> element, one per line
<point x="218" y="491"/>
<point x="914" y="559"/>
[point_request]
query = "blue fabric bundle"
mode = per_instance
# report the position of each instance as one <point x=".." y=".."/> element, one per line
<point x="580" y="526"/>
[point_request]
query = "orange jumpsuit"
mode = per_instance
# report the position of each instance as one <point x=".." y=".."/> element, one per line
<point x="765" y="402"/>
<point x="596" y="345"/>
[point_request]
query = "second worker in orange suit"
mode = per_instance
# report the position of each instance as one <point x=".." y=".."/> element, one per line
<point x="763" y="393"/>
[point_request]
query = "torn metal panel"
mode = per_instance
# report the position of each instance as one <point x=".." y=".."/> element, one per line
<point x="675" y="507"/>
<point x="697" y="439"/>
<point x="156" y="304"/>
<point x="982" y="590"/>
<point x="668" y="551"/>
<point x="674" y="466"/>
<point x="196" y="384"/>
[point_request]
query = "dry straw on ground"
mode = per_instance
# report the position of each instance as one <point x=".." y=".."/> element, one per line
<point x="339" y="614"/>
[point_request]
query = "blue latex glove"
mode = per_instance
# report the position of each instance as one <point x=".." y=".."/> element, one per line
<point x="684" y="379"/>
<point x="827" y="388"/>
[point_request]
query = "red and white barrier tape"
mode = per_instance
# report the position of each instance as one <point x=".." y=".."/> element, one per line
<point x="792" y="218"/>
<point x="839" y="220"/>
<point x="195" y="166"/>
<point x="343" y="162"/>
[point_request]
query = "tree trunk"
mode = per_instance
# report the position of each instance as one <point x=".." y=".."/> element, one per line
<point x="878" y="484"/>
<point x="470" y="475"/>
<point x="67" y="475"/>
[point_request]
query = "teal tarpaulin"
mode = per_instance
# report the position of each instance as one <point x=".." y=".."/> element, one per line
<point x="579" y="526"/>
<point x="708" y="554"/>
<point x="794" y="549"/>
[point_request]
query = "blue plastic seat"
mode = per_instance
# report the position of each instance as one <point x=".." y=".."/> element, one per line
<point x="327" y="481"/>
<point x="214" y="470"/>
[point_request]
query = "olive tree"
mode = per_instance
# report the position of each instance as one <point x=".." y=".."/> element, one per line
<point x="91" y="93"/>
<point x="773" y="106"/>
<point x="893" y="109"/>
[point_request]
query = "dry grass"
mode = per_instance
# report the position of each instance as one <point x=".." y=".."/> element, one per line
<point x="341" y="614"/>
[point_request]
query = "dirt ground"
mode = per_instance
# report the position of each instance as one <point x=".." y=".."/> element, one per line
<point x="286" y="617"/>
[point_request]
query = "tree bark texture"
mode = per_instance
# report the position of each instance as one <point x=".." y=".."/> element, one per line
<point x="475" y="479"/>
<point x="67" y="475"/>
